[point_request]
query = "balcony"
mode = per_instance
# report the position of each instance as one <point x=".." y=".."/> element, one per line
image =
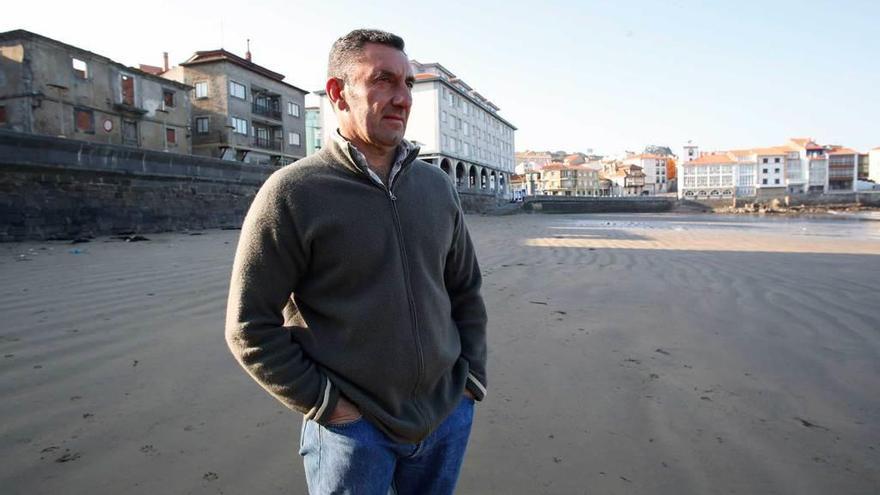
<point x="266" y="143"/>
<point x="267" y="110"/>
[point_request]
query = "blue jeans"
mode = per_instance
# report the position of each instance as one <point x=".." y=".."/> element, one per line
<point x="357" y="458"/>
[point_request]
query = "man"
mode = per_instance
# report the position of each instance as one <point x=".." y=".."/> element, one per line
<point x="355" y="295"/>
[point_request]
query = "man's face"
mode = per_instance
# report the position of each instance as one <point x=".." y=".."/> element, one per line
<point x="379" y="97"/>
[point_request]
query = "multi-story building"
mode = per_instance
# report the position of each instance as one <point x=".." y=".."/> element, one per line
<point x="560" y="179"/>
<point x="864" y="166"/>
<point x="808" y="172"/>
<point x="713" y="176"/>
<point x="874" y="167"/>
<point x="242" y="111"/>
<point x="623" y="180"/>
<point x="456" y="128"/>
<point x="800" y="166"/>
<point x="313" y="130"/>
<point x="52" y="88"/>
<point x="843" y="168"/>
<point x="771" y="163"/>
<point x="654" y="168"/>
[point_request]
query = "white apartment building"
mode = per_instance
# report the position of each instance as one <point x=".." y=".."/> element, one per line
<point x="713" y="176"/>
<point x="456" y="128"/>
<point x="654" y="168"/>
<point x="771" y="168"/>
<point x="800" y="166"/>
<point x="874" y="165"/>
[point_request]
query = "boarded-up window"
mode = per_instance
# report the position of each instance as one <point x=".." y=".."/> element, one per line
<point x="80" y="68"/>
<point x="129" y="133"/>
<point x="85" y="120"/>
<point x="170" y="135"/>
<point x="168" y="98"/>
<point x="2" y="115"/>
<point x="127" y="90"/>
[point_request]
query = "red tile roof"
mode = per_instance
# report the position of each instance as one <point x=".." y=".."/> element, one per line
<point x="773" y="150"/>
<point x="151" y="69"/>
<point x="221" y="55"/>
<point x="714" y="159"/>
<point x="843" y="151"/>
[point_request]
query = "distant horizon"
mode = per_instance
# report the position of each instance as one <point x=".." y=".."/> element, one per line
<point x="568" y="75"/>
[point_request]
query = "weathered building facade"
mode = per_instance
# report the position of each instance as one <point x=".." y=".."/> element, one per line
<point x="242" y="111"/>
<point x="55" y="89"/>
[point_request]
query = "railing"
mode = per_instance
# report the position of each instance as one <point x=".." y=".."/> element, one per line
<point x="267" y="143"/>
<point x="267" y="111"/>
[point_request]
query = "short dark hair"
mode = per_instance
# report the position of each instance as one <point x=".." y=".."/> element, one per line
<point x="346" y="49"/>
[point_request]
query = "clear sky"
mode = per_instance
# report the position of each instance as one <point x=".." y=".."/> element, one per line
<point x="606" y="75"/>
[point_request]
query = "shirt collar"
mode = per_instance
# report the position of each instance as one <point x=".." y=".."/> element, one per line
<point x="403" y="150"/>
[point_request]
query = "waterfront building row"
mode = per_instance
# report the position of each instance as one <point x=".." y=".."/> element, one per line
<point x="798" y="166"/>
<point x="581" y="179"/>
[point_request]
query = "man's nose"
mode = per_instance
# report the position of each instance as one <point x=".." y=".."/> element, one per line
<point x="402" y="97"/>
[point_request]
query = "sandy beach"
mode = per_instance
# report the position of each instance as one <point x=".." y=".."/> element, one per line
<point x="643" y="354"/>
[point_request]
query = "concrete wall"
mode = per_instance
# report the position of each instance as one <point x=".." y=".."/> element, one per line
<point x="832" y="199"/>
<point x="566" y="204"/>
<point x="52" y="188"/>
<point x="479" y="203"/>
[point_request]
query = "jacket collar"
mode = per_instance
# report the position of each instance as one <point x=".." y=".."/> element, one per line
<point x="352" y="159"/>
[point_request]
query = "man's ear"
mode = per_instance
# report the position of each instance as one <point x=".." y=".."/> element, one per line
<point x="335" y="88"/>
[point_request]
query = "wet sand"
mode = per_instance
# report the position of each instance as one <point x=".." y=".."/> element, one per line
<point x="628" y="354"/>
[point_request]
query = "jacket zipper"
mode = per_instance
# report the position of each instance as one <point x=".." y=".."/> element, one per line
<point x="411" y="301"/>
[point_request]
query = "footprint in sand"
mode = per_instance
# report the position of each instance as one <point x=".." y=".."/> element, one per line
<point x="68" y="457"/>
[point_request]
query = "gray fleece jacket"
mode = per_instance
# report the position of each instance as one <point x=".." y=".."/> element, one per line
<point x="341" y="285"/>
